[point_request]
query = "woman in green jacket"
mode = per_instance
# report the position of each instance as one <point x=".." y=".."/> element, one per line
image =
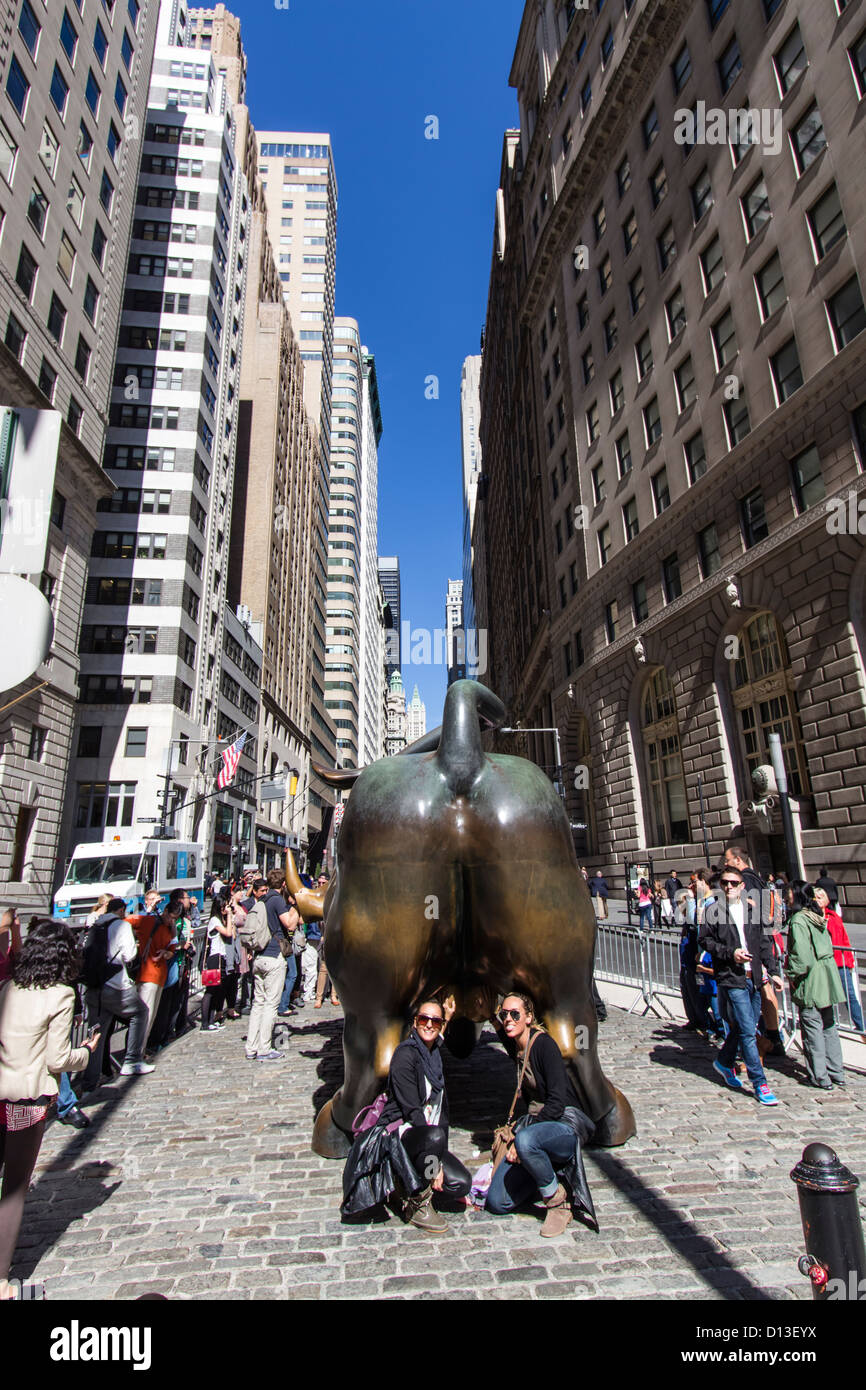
<point x="815" y="986"/>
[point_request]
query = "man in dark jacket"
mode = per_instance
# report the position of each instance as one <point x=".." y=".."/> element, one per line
<point x="740" y="949"/>
<point x="599" y="890"/>
<point x="673" y="885"/>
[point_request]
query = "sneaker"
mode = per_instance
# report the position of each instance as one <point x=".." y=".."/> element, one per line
<point x="272" y="1056"/>
<point x="136" y="1068"/>
<point x="764" y="1094"/>
<point x="250" y="1056"/>
<point x="212" y="1027"/>
<point x="730" y="1077"/>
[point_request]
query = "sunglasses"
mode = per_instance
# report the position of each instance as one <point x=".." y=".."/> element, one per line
<point x="730" y="882"/>
<point x="505" y="1014"/>
<point x="430" y="1019"/>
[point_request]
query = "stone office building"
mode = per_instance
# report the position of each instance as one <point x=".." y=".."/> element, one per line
<point x="674" y="424"/>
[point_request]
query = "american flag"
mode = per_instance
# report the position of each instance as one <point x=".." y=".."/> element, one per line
<point x="231" y="757"/>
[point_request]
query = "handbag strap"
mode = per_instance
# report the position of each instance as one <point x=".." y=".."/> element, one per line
<point x="521" y="1073"/>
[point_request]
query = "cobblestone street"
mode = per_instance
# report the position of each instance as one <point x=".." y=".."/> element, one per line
<point x="199" y="1181"/>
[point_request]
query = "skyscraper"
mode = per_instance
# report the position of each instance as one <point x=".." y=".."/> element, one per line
<point x="416" y="718"/>
<point x="455" y="631"/>
<point x="389" y="578"/>
<point x="370" y="729"/>
<point x="395" y="704"/>
<point x="74" y="87"/>
<point x="470" y="412"/>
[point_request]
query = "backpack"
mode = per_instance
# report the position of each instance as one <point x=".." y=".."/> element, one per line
<point x="255" y="934"/>
<point x="97" y="969"/>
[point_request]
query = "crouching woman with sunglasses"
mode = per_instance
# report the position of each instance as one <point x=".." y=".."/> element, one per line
<point x="545" y="1157"/>
<point x="407" y="1149"/>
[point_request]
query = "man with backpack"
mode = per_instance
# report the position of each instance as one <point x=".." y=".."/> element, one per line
<point x="267" y="925"/>
<point x="109" y="953"/>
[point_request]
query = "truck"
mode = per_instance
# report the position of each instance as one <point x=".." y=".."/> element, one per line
<point x="128" y="869"/>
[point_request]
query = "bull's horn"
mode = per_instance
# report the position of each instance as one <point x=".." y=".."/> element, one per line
<point x="310" y="900"/>
<point x="337" y="776"/>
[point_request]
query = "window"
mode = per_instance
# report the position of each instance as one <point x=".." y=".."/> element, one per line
<point x="623" y="454"/>
<point x="92" y="92"/>
<point x="75" y="201"/>
<point x="661" y="491"/>
<point x="791" y="61"/>
<point x="847" y="315"/>
<point x="100" y="805"/>
<point x="666" y="803"/>
<point x="606" y="48"/>
<point x="756" y="207"/>
<point x="599" y="222"/>
<point x="630" y="519"/>
<point x="593" y="427"/>
<point x="585" y="96"/>
<point x="554" y="485"/>
<point x="587" y="366"/>
<point x="82" y="358"/>
<point x="753" y="518"/>
<point x="667" y="247"/>
<point x="637" y="293"/>
<point x="126" y="51"/>
<point x="712" y="266"/>
<point x="610" y="333"/>
<point x="671" y="582"/>
<point x="100" y="44"/>
<point x="605" y="276"/>
<point x="74" y="415"/>
<point x="639" y="601"/>
<point x="765" y="701"/>
<point x="37" y="210"/>
<point x="25" y="276"/>
<point x="658" y="184"/>
<point x="702" y="195"/>
<point x="91" y="300"/>
<point x="623" y="177"/>
<point x="771" y="6"/>
<point x="826" y="222"/>
<point x="715" y="10"/>
<point x="629" y="233"/>
<point x="89" y="740"/>
<point x="785" y="366"/>
<point x="724" y="339"/>
<point x="100" y="241"/>
<point x="808" y="480"/>
<point x="611" y="619"/>
<point x="17" y="86"/>
<point x="617" y="393"/>
<point x="696" y="457"/>
<point x="652" y="422"/>
<point x="582" y="313"/>
<point x="675" y="309"/>
<point x="604" y="544"/>
<point x="730" y="65"/>
<point x="709" y="556"/>
<point x="47" y="379"/>
<point x="572" y="575"/>
<point x="599" y="491"/>
<point x="136" y="743"/>
<point x="16" y="337"/>
<point x="736" y="420"/>
<point x="66" y="258"/>
<point x="650" y="127"/>
<point x="687" y="391"/>
<point x="113" y="143"/>
<point x="681" y="69"/>
<point x="56" y="319"/>
<point x="84" y="147"/>
<point x="578" y="649"/>
<point x="106" y="193"/>
<point x="808" y="139"/>
<point x="68" y="36"/>
<point x="8" y="151"/>
<point x="644" y="355"/>
<point x="48" y="150"/>
<point x="120" y="96"/>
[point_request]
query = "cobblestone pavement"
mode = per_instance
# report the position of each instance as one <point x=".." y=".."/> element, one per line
<point x="199" y="1181"/>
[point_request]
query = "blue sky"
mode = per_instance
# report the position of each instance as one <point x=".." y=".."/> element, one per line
<point x="414" y="232"/>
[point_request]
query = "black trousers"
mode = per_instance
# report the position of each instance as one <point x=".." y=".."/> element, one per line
<point x="425" y="1145"/>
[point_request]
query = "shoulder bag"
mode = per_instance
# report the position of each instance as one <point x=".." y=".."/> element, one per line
<point x="503" y="1137"/>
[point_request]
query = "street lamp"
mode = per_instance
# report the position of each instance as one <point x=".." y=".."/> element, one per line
<point x="558" y="782"/>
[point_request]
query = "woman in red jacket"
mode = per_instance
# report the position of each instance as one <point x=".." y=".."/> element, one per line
<point x="846" y="960"/>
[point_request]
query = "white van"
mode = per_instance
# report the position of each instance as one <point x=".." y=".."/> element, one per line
<point x="127" y="869"/>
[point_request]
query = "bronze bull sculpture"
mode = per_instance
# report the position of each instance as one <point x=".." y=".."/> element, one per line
<point x="456" y="874"/>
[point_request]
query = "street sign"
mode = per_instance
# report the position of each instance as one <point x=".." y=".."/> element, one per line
<point x="273" y="790"/>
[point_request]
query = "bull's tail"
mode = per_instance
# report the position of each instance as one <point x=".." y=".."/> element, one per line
<point x="460" y="755"/>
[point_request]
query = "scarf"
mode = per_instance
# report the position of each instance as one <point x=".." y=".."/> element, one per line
<point x="431" y="1061"/>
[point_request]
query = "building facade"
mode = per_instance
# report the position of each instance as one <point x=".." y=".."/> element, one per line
<point x="371" y="744"/>
<point x="395" y="707"/>
<point x="455" y="631"/>
<point x="389" y="580"/>
<point x="673" y="423"/>
<point x="74" y="90"/>
<point x="470" y="452"/>
<point x="416" y="718"/>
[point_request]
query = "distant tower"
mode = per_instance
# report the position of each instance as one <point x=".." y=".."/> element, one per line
<point x="456" y="635"/>
<point x="395" y="732"/>
<point x="416" y="718"/>
<point x="389" y="578"/>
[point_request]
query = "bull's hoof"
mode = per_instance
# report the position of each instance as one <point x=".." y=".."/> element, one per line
<point x="329" y="1141"/>
<point x="617" y="1126"/>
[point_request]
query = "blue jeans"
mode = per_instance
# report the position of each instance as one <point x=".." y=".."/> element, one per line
<point x="291" y="976"/>
<point x="852" y="992"/>
<point x="742" y="1007"/>
<point x="646" y="918"/>
<point x="541" y="1148"/>
<point x="66" y="1097"/>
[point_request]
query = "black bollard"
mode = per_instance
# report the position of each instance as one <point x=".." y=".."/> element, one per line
<point x="835" y="1258"/>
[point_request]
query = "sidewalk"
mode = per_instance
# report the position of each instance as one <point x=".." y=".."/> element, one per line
<point x="198" y="1181"/>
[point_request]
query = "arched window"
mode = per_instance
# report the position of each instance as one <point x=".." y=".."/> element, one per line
<point x="664" y="763"/>
<point x="764" y="699"/>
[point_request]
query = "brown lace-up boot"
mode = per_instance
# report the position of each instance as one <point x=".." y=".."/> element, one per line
<point x="559" y="1214"/>
<point x="418" y="1211"/>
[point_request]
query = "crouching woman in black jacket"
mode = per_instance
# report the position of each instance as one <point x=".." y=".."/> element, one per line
<point x="546" y="1156"/>
<point x="407" y="1149"/>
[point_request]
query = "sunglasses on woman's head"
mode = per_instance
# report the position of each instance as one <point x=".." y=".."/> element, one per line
<point x="430" y="1019"/>
<point x="505" y="1014"/>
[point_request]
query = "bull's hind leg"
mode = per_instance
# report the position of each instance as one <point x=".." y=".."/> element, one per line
<point x="368" y="1045"/>
<point x="573" y="1023"/>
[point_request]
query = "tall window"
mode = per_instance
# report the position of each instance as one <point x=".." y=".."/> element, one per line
<point x="663" y="762"/>
<point x="764" y="699"/>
